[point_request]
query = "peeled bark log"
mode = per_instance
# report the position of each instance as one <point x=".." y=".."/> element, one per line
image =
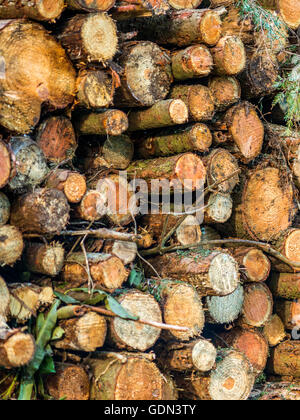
<point x="30" y="163"/>
<point x="37" y="9"/>
<point x="17" y="350"/>
<point x="218" y="208"/>
<point x="194" y="62"/>
<point x="11" y="245"/>
<point x="45" y="259"/>
<point x="70" y="382"/>
<point x="71" y="183"/>
<point x="91" y="6"/>
<point x="4" y="209"/>
<point x="56" y="138"/>
<point x="274" y="331"/>
<point x="90" y="37"/>
<point x="126" y="251"/>
<point x="86" y="333"/>
<point x="289" y="313"/>
<point x="214" y="275"/>
<point x="226" y="91"/>
<point x="95" y="88"/>
<point x="255" y="265"/>
<point x="130" y="334"/>
<point x="258" y="304"/>
<point x="162" y="114"/>
<point x="26" y="87"/>
<point x="5" y="164"/>
<point x="107" y="271"/>
<point x="229" y="56"/>
<point x="198" y="100"/>
<point x="112" y="122"/>
<point x="196" y="137"/>
<point x="43" y="211"/>
<point x="147" y="75"/>
<point x="288" y="245"/>
<point x="285" y="285"/>
<point x="221" y="164"/>
<point x="116" y="376"/>
<point x="92" y="206"/>
<point x="284" y="360"/>
<point x="225" y="309"/>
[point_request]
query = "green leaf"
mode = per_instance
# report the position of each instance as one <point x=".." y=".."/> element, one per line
<point x="58" y="333"/>
<point x="26" y="389"/>
<point x="136" y="278"/>
<point x="68" y="300"/>
<point x="47" y="366"/>
<point x="39" y="323"/>
<point x="117" y="308"/>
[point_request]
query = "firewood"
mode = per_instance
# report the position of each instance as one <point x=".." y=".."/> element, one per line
<point x="115" y="377"/>
<point x="289" y="313"/>
<point x="288" y="245"/>
<point x="4" y="300"/>
<point x="95" y="88"/>
<point x="283" y="391"/>
<point x="53" y="81"/>
<point x="37" y="9"/>
<point x="92" y="206"/>
<point x="11" y="245"/>
<point x="112" y="122"/>
<point x="72" y="183"/>
<point x="274" y="331"/>
<point x="17" y="350"/>
<point x="254" y="264"/>
<point x="220" y="164"/>
<point x="197" y="98"/>
<point x="126" y="251"/>
<point x="225" y="309"/>
<point x="217" y="3"/>
<point x="193" y="62"/>
<point x="129" y="334"/>
<point x="218" y="208"/>
<point x="258" y="304"/>
<point x="56" y="138"/>
<point x="288" y="10"/>
<point x="91" y="6"/>
<point x="90" y="38"/>
<point x="229" y="56"/>
<point x="4" y="209"/>
<point x="5" y="164"/>
<point x="70" y="382"/>
<point x="140" y="8"/>
<point x="284" y="359"/>
<point x="226" y="91"/>
<point x="184" y="4"/>
<point x="43" y="211"/>
<point x="216" y="274"/>
<point x="45" y="259"/>
<point x="285" y="285"/>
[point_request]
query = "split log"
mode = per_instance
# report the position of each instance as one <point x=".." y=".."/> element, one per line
<point x="194" y="62"/>
<point x="107" y="271"/>
<point x="42" y="10"/>
<point x="288" y="245"/>
<point x="70" y="382"/>
<point x="220" y="164"/>
<point x="258" y="304"/>
<point x="147" y="75"/>
<point x="72" y="183"/>
<point x="130" y="334"/>
<point x="95" y="88"/>
<point x="112" y="122"/>
<point x="162" y="114"/>
<point x="91" y="6"/>
<point x="4" y="209"/>
<point x="289" y="313"/>
<point x="45" y="259"/>
<point x="226" y="91"/>
<point x="17" y="350"/>
<point x="255" y="265"/>
<point x="229" y="56"/>
<point x="284" y="360"/>
<point x="52" y="81"/>
<point x="45" y="211"/>
<point x="30" y="163"/>
<point x="116" y="375"/>
<point x="196" y="137"/>
<point x="11" y="245"/>
<point x="198" y="100"/>
<point x="86" y="333"/>
<point x="196" y="355"/>
<point x="225" y="309"/>
<point x="126" y="251"/>
<point x="90" y="37"/>
<point x="5" y="164"/>
<point x="215" y="274"/>
<point x="218" y="208"/>
<point x="56" y="138"/>
<point x="274" y="331"/>
<point x="285" y="285"/>
<point x="92" y="206"/>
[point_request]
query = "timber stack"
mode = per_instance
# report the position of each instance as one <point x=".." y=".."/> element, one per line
<point x="114" y="115"/>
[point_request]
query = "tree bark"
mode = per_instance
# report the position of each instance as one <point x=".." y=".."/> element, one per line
<point x="193" y="62"/>
<point x="17" y="350"/>
<point x="4" y="209"/>
<point x="229" y="56"/>
<point x="225" y="309"/>
<point x="289" y="313"/>
<point x="285" y="285"/>
<point x="258" y="304"/>
<point x="94" y="6"/>
<point x="284" y="360"/>
<point x="45" y="259"/>
<point x="111" y="122"/>
<point x="95" y="88"/>
<point x="11" y="245"/>
<point x="42" y="10"/>
<point x="274" y="331"/>
<point x="225" y="90"/>
<point x="71" y="183"/>
<point x="255" y="265"/>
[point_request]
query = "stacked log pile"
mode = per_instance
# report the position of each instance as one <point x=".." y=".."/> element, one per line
<point x="101" y="101"/>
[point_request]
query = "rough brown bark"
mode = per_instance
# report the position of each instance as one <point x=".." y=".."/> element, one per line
<point x="284" y="360"/>
<point x="193" y="62"/>
<point x="17" y="350"/>
<point x="72" y="183"/>
<point x="112" y="122"/>
<point x="274" y="331"/>
<point x="37" y="9"/>
<point x="45" y="259"/>
<point x="229" y="56"/>
<point x="95" y="88"/>
<point x="4" y="209"/>
<point x="11" y="245"/>
<point x="91" y="5"/>
<point x="258" y="304"/>
<point x="285" y="285"/>
<point x="289" y="313"/>
<point x="225" y="90"/>
<point x="254" y="264"/>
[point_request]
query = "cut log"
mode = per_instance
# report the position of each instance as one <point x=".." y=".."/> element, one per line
<point x="125" y="9"/>
<point x="130" y="334"/>
<point x="220" y="164"/>
<point x="5" y="164"/>
<point x="285" y="285"/>
<point x="197" y="98"/>
<point x="288" y="245"/>
<point x="116" y="375"/>
<point x="92" y="206"/>
<point x="218" y="3"/>
<point x="196" y="137"/>
<point x="70" y="382"/>
<point x="4" y="301"/>
<point x="11" y="245"/>
<point x="225" y="309"/>
<point x="258" y="304"/>
<point x="45" y="259"/>
<point x="284" y="360"/>
<point x="95" y="88"/>
<point x="56" y="138"/>
<point x="42" y="10"/>
<point x="184" y="4"/>
<point x="226" y="91"/>
<point x="255" y="265"/>
<point x="218" y="208"/>
<point x="91" y="6"/>
<point x="25" y="87"/>
<point x="194" y="62"/>
<point x="289" y="12"/>
<point x="17" y="350"/>
<point x="229" y="56"/>
<point x="126" y="251"/>
<point x="107" y="271"/>
<point x="215" y="274"/>
<point x="147" y="75"/>
<point x="182" y="306"/>
<point x="72" y="183"/>
<point x="4" y="209"/>
<point x="45" y="211"/>
<point x="289" y="313"/>
<point x="162" y="114"/>
<point x="30" y="163"/>
<point x="112" y="122"/>
<point x="274" y="331"/>
<point x="86" y="333"/>
<point x="90" y="37"/>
